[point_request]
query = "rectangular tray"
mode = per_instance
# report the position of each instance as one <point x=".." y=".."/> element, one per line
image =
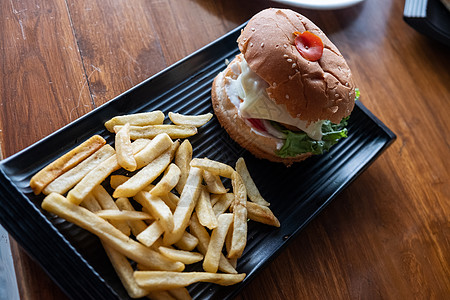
<point x="75" y="259"/>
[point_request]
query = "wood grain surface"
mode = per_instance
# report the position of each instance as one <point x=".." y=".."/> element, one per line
<point x="385" y="237"/>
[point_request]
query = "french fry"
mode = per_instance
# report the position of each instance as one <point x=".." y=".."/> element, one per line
<point x="180" y="294"/>
<point x="125" y="272"/>
<point x="70" y="178"/>
<point x="171" y="200"/>
<point x="111" y="214"/>
<point x="215" y="198"/>
<point x="204" y="210"/>
<point x="139" y="119"/>
<point x="136" y="226"/>
<point x="106" y="202"/>
<point x="223" y="203"/>
<point x="64" y="163"/>
<point x="186" y="257"/>
<point x="163" y="242"/>
<point x="160" y="295"/>
<point x="116" y="180"/>
<point x="213" y="166"/>
<point x="120" y="263"/>
<point x="252" y="190"/>
<point x="183" y="157"/>
<point x="203" y="241"/>
<point x="161" y="280"/>
<point x="168" y="181"/>
<point x="261" y="214"/>
<point x="150" y="131"/>
<point x="98" y="174"/>
<point x="157" y="208"/>
<point x="144" y="176"/>
<point x="212" y="256"/>
<point x="174" y="149"/>
<point x="197" y="121"/>
<point x="213" y="183"/>
<point x="233" y="262"/>
<point x="124" y="151"/>
<point x="86" y="219"/>
<point x="239" y="237"/>
<point x="155" y="148"/>
<point x="91" y="203"/>
<point x="149" y="236"/>
<point x="185" y="207"/>
<point x="188" y="242"/>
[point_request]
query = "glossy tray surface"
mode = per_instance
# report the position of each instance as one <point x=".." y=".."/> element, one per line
<point x="75" y="259"/>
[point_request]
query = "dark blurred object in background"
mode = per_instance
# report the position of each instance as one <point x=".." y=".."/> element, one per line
<point x="429" y="17"/>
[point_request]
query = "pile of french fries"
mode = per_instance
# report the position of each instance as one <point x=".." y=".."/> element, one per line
<point x="166" y="209"/>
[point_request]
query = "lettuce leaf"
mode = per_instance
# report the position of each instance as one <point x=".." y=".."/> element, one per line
<point x="299" y="142"/>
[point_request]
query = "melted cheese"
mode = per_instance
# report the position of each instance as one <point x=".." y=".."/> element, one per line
<point x="256" y="103"/>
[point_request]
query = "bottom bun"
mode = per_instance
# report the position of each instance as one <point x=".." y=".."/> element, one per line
<point x="259" y="145"/>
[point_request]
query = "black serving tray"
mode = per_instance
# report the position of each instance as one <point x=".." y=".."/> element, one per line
<point x="429" y="17"/>
<point x="75" y="259"/>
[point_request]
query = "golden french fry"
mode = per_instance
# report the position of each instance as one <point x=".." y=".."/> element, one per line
<point x="252" y="189"/>
<point x="120" y="263"/>
<point x="215" y="198"/>
<point x="64" y="163"/>
<point x="139" y="119"/>
<point x="180" y="294"/>
<point x="156" y="244"/>
<point x="111" y="214"/>
<point x="197" y="121"/>
<point x="161" y="280"/>
<point x="91" y="203"/>
<point x="155" y="148"/>
<point x="212" y="166"/>
<point x="160" y="295"/>
<point x="239" y="237"/>
<point x="168" y="181"/>
<point x="70" y="178"/>
<point x="185" y="207"/>
<point x="212" y="256"/>
<point x="143" y="177"/>
<point x="98" y="174"/>
<point x="171" y="200"/>
<point x="204" y="210"/>
<point x="186" y="257"/>
<point x="125" y="272"/>
<point x="106" y="202"/>
<point x="116" y="180"/>
<point x="174" y="149"/>
<point x="188" y="242"/>
<point x="86" y="219"/>
<point x="183" y="157"/>
<point x="233" y="262"/>
<point x="150" y="131"/>
<point x="124" y="151"/>
<point x="136" y="226"/>
<point x="157" y="208"/>
<point x="150" y="234"/>
<point x="213" y="183"/>
<point x="203" y="241"/>
<point x="223" y="203"/>
<point x="261" y="214"/>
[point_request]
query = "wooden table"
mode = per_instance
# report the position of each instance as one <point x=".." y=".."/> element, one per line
<point x="385" y="237"/>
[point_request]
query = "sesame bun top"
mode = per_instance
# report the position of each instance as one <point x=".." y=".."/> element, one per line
<point x="311" y="90"/>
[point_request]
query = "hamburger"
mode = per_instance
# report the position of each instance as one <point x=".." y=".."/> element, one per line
<point x="289" y="92"/>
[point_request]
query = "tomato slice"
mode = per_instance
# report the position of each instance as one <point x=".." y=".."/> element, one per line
<point x="257" y="124"/>
<point x="309" y="45"/>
